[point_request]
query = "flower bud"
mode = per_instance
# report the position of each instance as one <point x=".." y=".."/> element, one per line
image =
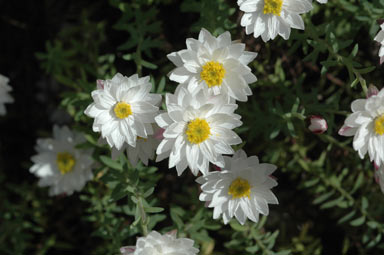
<point x="372" y="90"/>
<point x="318" y="124"/>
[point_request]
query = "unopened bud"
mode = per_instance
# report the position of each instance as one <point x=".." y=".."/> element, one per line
<point x="372" y="91"/>
<point x="318" y="124"/>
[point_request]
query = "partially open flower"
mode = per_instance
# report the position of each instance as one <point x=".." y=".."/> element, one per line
<point x="318" y="124"/>
<point x="155" y="244"/>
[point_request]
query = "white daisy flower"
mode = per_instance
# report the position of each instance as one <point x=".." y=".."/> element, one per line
<point x="5" y="97"/>
<point x="380" y="38"/>
<point x="123" y="109"/>
<point x="156" y="244"/>
<point x="366" y="124"/>
<point x="198" y="130"/>
<point x="216" y="65"/>
<point x="242" y="189"/>
<point x="269" y="18"/>
<point x="59" y="164"/>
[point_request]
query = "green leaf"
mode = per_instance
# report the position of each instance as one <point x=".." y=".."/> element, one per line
<point x="111" y="163"/>
<point x="118" y="192"/>
<point x="236" y="226"/>
<point x="323" y="197"/>
<point x="148" y="65"/>
<point x="153" y="209"/>
<point x="346" y="217"/>
<point x="149" y="192"/>
<point x="364" y="204"/>
<point x="357" y="222"/>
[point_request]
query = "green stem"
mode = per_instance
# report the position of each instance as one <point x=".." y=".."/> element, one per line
<point x="143" y="215"/>
<point x="310" y="33"/>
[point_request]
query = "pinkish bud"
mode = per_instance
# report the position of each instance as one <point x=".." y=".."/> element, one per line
<point x="159" y="134"/>
<point x="100" y="84"/>
<point x="127" y="250"/>
<point x="172" y="233"/>
<point x="216" y="168"/>
<point x="318" y="124"/>
<point x="372" y="90"/>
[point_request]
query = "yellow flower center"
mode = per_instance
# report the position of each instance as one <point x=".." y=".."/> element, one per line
<point x="239" y="188"/>
<point x="122" y="110"/>
<point x="142" y="138"/>
<point x="198" y="131"/>
<point x="65" y="162"/>
<point x="273" y="6"/>
<point x="213" y="73"/>
<point x="379" y="125"/>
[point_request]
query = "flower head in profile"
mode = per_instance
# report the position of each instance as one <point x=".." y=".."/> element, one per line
<point x="380" y="38"/>
<point x="241" y="189"/>
<point x="198" y="130"/>
<point x="59" y="164"/>
<point x="123" y="109"/>
<point x="5" y="97"/>
<point x="366" y="125"/>
<point x="216" y="65"/>
<point x="144" y="150"/>
<point x="269" y="18"/>
<point x="156" y="244"/>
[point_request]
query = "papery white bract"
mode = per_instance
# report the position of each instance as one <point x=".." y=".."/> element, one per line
<point x="59" y="164"/>
<point x="123" y="109"/>
<point x="5" y="97"/>
<point x="269" y="18"/>
<point x="198" y="130"/>
<point x="156" y="244"/>
<point x="380" y="38"/>
<point x="241" y="189"/>
<point x="366" y="124"/>
<point x="216" y="65"/>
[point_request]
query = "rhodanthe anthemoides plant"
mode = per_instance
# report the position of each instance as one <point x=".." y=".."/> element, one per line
<point x="155" y="154"/>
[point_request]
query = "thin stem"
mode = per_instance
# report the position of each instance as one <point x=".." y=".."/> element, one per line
<point x="143" y="215"/>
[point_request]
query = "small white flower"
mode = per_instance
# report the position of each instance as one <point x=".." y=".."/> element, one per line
<point x="5" y="97"/>
<point x="318" y="124"/>
<point x="242" y="189"/>
<point x="366" y="124"/>
<point x="269" y="18"/>
<point x="198" y="130"/>
<point x="216" y="65"/>
<point x="156" y="244"/>
<point x="123" y="109"/>
<point x="380" y="38"/>
<point x="59" y="164"/>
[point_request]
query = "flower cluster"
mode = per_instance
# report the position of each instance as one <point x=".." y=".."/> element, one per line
<point x="197" y="130"/>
